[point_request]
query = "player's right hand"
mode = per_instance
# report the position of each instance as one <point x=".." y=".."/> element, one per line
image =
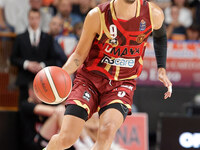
<point x="162" y="76"/>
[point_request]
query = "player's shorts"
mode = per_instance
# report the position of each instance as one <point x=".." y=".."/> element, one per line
<point x="93" y="92"/>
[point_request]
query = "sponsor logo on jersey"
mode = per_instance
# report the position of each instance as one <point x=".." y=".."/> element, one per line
<point x="113" y="41"/>
<point x="86" y="96"/>
<point x="142" y="25"/>
<point x="123" y="51"/>
<point x="121" y="62"/>
<point x="140" y="38"/>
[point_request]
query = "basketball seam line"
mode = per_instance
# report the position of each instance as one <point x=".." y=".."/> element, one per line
<point x="52" y="85"/>
<point x="42" y="94"/>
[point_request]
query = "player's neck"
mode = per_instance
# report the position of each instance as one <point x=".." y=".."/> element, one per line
<point x="125" y="10"/>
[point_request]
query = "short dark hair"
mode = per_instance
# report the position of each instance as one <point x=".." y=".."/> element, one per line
<point x="33" y="10"/>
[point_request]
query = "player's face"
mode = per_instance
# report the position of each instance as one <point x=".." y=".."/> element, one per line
<point x="129" y="1"/>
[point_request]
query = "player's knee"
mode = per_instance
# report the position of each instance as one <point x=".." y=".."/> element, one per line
<point x="67" y="140"/>
<point x="107" y="130"/>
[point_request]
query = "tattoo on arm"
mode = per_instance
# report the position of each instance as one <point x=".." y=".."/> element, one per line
<point x="77" y="62"/>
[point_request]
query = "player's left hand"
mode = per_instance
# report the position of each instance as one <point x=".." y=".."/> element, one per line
<point x="162" y="76"/>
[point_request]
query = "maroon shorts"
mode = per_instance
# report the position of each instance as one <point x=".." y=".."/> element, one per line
<point x="93" y="92"/>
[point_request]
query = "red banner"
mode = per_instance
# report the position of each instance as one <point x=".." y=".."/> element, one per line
<point x="133" y="134"/>
<point x="183" y="64"/>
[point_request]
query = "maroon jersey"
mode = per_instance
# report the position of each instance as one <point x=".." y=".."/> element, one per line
<point x="117" y="53"/>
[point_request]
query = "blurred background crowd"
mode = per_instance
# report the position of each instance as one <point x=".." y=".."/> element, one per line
<point x="181" y="16"/>
<point x="39" y="33"/>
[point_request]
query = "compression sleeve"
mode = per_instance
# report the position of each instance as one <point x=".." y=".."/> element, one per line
<point x="160" y="46"/>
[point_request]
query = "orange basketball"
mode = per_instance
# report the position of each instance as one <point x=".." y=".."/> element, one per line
<point x="52" y="85"/>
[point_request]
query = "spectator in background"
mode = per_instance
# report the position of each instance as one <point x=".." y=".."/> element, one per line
<point x="70" y="19"/>
<point x="82" y="8"/>
<point x="178" y="18"/>
<point x="195" y="5"/>
<point x="192" y="108"/>
<point x="32" y="51"/>
<point x="162" y="3"/>
<point x="69" y="43"/>
<point x="47" y="2"/>
<point x="78" y="30"/>
<point x="10" y="11"/>
<point x="39" y="122"/>
<point x="53" y="6"/>
<point x="45" y="14"/>
<point x="101" y="1"/>
<point x="55" y="28"/>
<point x="193" y="32"/>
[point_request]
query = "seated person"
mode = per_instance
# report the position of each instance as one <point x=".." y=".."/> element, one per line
<point x="162" y="3"/>
<point x="69" y="42"/>
<point x="78" y="30"/>
<point x="55" y="28"/>
<point x="193" y="32"/>
<point x="192" y="108"/>
<point x="177" y="18"/>
<point x="82" y="8"/>
<point x="39" y="122"/>
<point x="64" y="8"/>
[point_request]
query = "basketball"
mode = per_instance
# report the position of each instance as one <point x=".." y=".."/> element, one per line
<point x="52" y="85"/>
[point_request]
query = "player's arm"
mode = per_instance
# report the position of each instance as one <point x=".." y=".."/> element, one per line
<point x="44" y="110"/>
<point x="160" y="46"/>
<point x="91" y="27"/>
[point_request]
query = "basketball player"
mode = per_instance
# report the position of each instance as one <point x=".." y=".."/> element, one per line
<point x="111" y="49"/>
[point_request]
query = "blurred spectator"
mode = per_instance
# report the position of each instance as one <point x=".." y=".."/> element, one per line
<point x="39" y="122"/>
<point x="55" y="28"/>
<point x="178" y="18"/>
<point x="53" y="6"/>
<point x="45" y="14"/>
<point x="195" y="4"/>
<point x="32" y="51"/>
<point x="10" y="11"/>
<point x="47" y="2"/>
<point x="192" y="108"/>
<point x="78" y="30"/>
<point x="70" y="19"/>
<point x="162" y="3"/>
<point x="69" y="42"/>
<point x="101" y="1"/>
<point x="82" y="8"/>
<point x="193" y="32"/>
<point x="89" y="135"/>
